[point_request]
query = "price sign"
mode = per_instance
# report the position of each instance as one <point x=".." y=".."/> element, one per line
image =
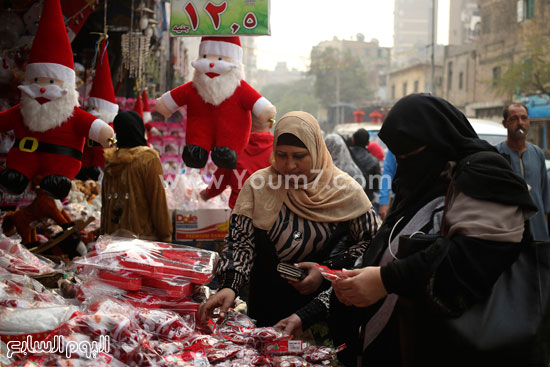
<point x="219" y="18"/>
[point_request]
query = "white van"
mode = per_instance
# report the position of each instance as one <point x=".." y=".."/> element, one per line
<point x="488" y="130"/>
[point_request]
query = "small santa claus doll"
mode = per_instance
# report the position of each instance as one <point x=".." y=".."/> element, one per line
<point x="102" y="104"/>
<point x="50" y="129"/>
<point x="218" y="103"/>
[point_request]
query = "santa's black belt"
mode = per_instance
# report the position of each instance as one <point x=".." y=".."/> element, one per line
<point x="30" y="145"/>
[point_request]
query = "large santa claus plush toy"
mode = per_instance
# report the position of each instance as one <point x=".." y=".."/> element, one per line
<point x="218" y="103"/>
<point x="50" y="129"/>
<point x="102" y="104"/>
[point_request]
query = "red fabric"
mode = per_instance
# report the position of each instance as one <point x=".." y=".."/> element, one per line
<point x="358" y="115"/>
<point x="227" y="124"/>
<point x="149" y="126"/>
<point x="145" y="101"/>
<point x="102" y="86"/>
<point x="51" y="43"/>
<point x="139" y="107"/>
<point x="70" y="10"/>
<point x="376" y="150"/>
<point x="255" y="156"/>
<point x="93" y="156"/>
<point x="231" y="39"/>
<point x="71" y="133"/>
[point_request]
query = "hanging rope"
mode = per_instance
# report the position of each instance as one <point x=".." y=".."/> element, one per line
<point x="105" y="17"/>
<point x="102" y="36"/>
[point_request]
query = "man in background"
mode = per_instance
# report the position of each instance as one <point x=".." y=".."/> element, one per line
<point x="367" y="163"/>
<point x="527" y="160"/>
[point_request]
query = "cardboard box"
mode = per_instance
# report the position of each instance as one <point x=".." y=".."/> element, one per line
<point x="201" y="224"/>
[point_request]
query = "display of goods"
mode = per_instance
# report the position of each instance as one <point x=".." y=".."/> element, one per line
<point x="166" y="324"/>
<point x="121" y="279"/>
<point x="152" y="259"/>
<point x="17" y="259"/>
<point x="176" y="287"/>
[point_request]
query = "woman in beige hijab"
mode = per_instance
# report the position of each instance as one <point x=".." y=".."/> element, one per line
<point x="294" y="212"/>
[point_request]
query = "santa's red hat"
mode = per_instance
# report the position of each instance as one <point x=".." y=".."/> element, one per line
<point x="146" y="112"/>
<point x="102" y="95"/>
<point x="51" y="54"/>
<point x="224" y="46"/>
<point x="138" y="106"/>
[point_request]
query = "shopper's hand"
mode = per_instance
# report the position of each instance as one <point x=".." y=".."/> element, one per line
<point x="311" y="282"/>
<point x="223" y="299"/>
<point x="383" y="211"/>
<point x="362" y="288"/>
<point x="292" y="325"/>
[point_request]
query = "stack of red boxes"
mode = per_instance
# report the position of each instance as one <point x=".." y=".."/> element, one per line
<point x="151" y="274"/>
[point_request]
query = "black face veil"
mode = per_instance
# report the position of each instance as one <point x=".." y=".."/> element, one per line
<point x="421" y="120"/>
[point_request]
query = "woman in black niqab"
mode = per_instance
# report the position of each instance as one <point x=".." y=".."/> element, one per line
<point x="426" y="133"/>
<point x="420" y="120"/>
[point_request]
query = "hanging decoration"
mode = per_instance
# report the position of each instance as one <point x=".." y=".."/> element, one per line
<point x="135" y="51"/>
<point x="75" y="13"/>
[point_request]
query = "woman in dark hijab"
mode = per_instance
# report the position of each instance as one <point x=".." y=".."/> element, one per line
<point x="132" y="192"/>
<point x="129" y="129"/>
<point x="462" y="200"/>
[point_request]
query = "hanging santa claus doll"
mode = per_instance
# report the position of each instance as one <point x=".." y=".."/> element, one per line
<point x="50" y="129"/>
<point x="102" y="104"/>
<point x="218" y="103"/>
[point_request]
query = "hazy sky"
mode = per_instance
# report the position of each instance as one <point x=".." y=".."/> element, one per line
<point x="298" y="25"/>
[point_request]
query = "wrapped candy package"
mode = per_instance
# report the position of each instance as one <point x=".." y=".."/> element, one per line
<point x="17" y="259"/>
<point x="168" y="267"/>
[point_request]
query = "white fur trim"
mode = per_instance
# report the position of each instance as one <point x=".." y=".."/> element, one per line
<point x="169" y="102"/>
<point x="260" y="105"/>
<point x="147" y="116"/>
<point x="102" y="104"/>
<point x="51" y="70"/>
<point x="95" y="130"/>
<point x="222" y="48"/>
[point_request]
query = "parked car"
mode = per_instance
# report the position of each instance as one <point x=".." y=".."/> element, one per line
<point x="488" y="130"/>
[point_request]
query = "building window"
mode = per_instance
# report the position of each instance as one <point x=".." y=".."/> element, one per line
<point x="460" y="80"/>
<point x="496" y="75"/>
<point x="450" y="75"/>
<point x="525" y="9"/>
<point x="404" y="89"/>
<point x="393" y="91"/>
<point x="416" y="86"/>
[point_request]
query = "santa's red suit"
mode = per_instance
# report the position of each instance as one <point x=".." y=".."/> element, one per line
<point x="255" y="156"/>
<point x="225" y="125"/>
<point x="27" y="155"/>
<point x="93" y="155"/>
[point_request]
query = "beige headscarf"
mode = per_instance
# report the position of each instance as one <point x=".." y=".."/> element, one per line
<point x="330" y="196"/>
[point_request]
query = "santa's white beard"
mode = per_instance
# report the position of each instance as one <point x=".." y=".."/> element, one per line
<point x="218" y="89"/>
<point x="41" y="117"/>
